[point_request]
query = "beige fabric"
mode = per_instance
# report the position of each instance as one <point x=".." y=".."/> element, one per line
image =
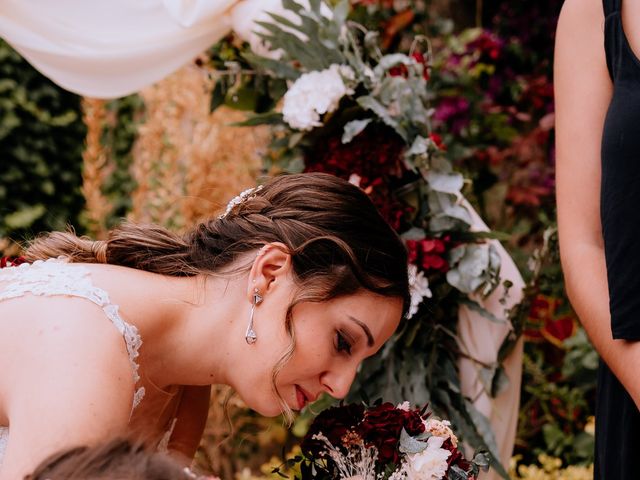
<point x="107" y="49"/>
<point x="482" y="339"/>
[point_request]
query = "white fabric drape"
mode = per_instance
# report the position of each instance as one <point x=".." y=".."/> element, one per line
<point x="481" y="339"/>
<point x="108" y="49"/>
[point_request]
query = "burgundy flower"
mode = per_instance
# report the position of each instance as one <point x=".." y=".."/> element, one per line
<point x="375" y="156"/>
<point x="437" y="139"/>
<point x="382" y="426"/>
<point x="11" y="261"/>
<point x="334" y="423"/>
<point x="430" y="253"/>
<point x="434" y="262"/>
<point x="489" y="45"/>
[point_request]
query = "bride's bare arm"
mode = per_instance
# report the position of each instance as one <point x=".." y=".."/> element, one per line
<point x="67" y="392"/>
<point x="583" y="91"/>
<point x="191" y="421"/>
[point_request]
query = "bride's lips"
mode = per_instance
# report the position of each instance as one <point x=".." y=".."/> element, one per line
<point x="300" y="396"/>
<point x="303" y="397"/>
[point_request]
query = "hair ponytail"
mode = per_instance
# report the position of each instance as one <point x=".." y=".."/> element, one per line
<point x="145" y="247"/>
<point x="338" y="241"/>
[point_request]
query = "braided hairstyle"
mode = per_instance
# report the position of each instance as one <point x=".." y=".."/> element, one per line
<point x="338" y="242"/>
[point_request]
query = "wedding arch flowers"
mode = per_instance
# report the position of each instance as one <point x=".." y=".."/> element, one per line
<point x="339" y="104"/>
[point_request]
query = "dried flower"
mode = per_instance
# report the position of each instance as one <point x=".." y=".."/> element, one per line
<point x="419" y="287"/>
<point x="441" y="428"/>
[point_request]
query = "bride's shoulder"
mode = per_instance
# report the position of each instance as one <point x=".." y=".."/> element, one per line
<point x="66" y="360"/>
<point x="54" y="328"/>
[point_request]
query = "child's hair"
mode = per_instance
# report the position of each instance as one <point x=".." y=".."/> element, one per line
<point x="118" y="459"/>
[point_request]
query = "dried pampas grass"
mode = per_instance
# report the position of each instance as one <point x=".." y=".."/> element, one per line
<point x="188" y="162"/>
<point x="96" y="169"/>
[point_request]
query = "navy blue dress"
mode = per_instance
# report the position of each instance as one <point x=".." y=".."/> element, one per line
<point x="617" y="417"/>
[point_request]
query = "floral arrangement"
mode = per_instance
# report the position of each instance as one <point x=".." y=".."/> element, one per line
<point x="354" y="442"/>
<point x="347" y="108"/>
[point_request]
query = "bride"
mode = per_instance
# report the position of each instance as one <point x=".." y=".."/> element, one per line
<point x="281" y="298"/>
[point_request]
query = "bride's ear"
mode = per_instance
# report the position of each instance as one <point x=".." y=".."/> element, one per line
<point x="271" y="267"/>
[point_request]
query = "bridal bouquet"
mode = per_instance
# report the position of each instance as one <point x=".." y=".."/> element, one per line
<point x="383" y="442"/>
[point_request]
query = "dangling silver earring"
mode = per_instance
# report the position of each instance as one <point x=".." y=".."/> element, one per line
<point x="251" y="336"/>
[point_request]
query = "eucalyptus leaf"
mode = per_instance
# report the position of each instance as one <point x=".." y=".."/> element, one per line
<point x="476" y="307"/>
<point x="445" y="182"/>
<point x="280" y="69"/>
<point x="456" y="473"/>
<point x="353" y="128"/>
<point x="408" y="444"/>
<point x="419" y="146"/>
<point x="482" y="459"/>
<point x="484" y="429"/>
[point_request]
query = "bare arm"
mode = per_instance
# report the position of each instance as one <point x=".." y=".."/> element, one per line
<point x="192" y="418"/>
<point x="583" y="91"/>
<point x="67" y="392"/>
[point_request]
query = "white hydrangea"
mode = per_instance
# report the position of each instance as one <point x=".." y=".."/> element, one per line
<point x="314" y="94"/>
<point x="430" y="464"/>
<point x="419" y="288"/>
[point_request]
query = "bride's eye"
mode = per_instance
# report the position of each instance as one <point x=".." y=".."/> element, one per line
<point x="342" y="344"/>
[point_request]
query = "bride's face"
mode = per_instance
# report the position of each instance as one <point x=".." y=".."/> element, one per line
<point x="332" y="338"/>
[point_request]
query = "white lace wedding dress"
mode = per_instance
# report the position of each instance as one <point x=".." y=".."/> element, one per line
<point x="57" y="277"/>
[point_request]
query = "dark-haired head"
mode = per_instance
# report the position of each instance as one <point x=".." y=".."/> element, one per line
<point x="118" y="459"/>
<point x="339" y="247"/>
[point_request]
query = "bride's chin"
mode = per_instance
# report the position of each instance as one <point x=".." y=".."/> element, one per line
<point x="266" y="408"/>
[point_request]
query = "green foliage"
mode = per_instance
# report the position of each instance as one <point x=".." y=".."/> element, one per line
<point x="41" y="141"/>
<point x="119" y="135"/>
<point x="559" y="374"/>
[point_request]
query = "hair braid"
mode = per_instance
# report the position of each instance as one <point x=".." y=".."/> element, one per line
<point x="339" y="243"/>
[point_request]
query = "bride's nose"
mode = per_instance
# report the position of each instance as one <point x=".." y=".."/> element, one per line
<point x="338" y="382"/>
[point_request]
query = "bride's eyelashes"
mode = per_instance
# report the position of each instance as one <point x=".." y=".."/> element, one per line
<point x="343" y="344"/>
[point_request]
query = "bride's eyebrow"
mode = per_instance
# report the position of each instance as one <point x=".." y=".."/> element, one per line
<point x="370" y="340"/>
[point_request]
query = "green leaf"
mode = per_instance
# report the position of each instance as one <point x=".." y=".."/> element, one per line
<point x="341" y="12"/>
<point x="279" y="69"/>
<point x="408" y="444"/>
<point x="269" y="118"/>
<point x="482" y="459"/>
<point x="445" y="182"/>
<point x="353" y="128"/>
<point x="476" y="307"/>
<point x="24" y="217"/>
<point x="484" y="429"/>
<point x="456" y="473"/>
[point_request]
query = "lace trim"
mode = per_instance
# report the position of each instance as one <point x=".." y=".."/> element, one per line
<point x="57" y="277"/>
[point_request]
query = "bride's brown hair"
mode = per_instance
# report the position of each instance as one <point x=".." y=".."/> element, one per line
<point x="338" y="242"/>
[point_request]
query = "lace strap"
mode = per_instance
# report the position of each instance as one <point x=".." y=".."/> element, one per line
<point x="57" y="277"/>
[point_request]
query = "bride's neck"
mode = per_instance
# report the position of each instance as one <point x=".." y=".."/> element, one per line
<point x="185" y="324"/>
